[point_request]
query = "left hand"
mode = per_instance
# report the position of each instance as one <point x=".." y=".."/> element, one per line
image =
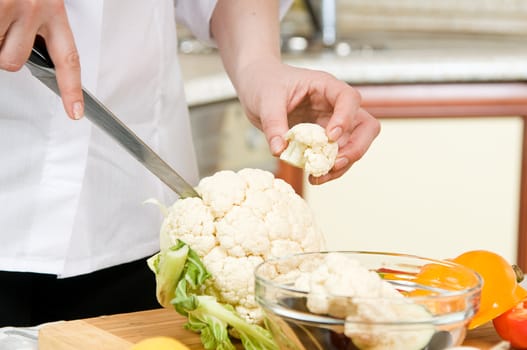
<point x="276" y="96"/>
<point x="20" y="23"/>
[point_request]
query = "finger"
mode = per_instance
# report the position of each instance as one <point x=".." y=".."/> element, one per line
<point x="342" y="164"/>
<point x="6" y="19"/>
<point x="63" y="52"/>
<point x="358" y="144"/>
<point x="332" y="175"/>
<point x="346" y="101"/>
<point x="361" y="138"/>
<point x="16" y="45"/>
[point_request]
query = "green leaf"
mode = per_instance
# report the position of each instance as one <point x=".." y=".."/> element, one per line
<point x="195" y="272"/>
<point x="205" y="315"/>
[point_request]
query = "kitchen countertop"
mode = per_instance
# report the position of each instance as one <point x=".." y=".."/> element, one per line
<point x="26" y="338"/>
<point x="120" y="331"/>
<point x="130" y="328"/>
<point x="467" y="62"/>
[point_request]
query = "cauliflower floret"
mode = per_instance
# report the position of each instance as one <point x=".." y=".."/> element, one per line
<point x="241" y="220"/>
<point x="241" y="233"/>
<point x="310" y="148"/>
<point x="194" y="223"/>
<point x="233" y="281"/>
<point x="343" y="288"/>
<point x="222" y="191"/>
<point x="257" y="179"/>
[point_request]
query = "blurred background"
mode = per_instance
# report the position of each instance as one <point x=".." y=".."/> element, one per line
<point x="447" y="81"/>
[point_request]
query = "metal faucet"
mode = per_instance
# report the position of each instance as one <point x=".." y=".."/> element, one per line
<point x="323" y="15"/>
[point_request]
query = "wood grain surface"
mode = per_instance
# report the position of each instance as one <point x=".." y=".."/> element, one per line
<point x="120" y="332"/>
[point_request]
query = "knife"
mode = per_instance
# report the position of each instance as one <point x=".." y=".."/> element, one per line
<point x="42" y="67"/>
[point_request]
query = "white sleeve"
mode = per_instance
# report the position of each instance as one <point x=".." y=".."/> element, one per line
<point x="196" y="14"/>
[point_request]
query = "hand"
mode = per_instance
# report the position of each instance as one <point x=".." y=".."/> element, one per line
<point x="276" y="96"/>
<point x="20" y="22"/>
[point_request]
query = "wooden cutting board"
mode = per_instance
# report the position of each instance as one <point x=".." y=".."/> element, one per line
<point x="120" y="332"/>
<point x="116" y="332"/>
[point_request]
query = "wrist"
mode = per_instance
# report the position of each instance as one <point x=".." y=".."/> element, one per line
<point x="247" y="67"/>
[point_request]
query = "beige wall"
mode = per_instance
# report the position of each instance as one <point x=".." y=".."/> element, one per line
<point x="428" y="187"/>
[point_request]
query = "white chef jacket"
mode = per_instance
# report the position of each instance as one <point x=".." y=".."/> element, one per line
<point x="71" y="198"/>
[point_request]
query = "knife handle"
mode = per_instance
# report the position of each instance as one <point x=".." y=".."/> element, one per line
<point x="40" y="55"/>
<point x="41" y="66"/>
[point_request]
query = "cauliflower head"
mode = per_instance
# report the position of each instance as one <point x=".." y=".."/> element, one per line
<point x="366" y="301"/>
<point x="309" y="148"/>
<point x="241" y="219"/>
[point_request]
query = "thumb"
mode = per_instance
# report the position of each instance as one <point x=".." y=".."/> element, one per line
<point x="274" y="125"/>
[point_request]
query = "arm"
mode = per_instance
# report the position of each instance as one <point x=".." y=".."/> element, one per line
<point x="20" y="22"/>
<point x="246" y="31"/>
<point x="276" y="96"/>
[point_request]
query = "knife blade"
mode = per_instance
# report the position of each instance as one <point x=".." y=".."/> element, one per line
<point x="41" y="67"/>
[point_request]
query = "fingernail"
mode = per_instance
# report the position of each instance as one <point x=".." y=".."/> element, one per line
<point x="276" y="144"/>
<point x="341" y="163"/>
<point x="335" y="133"/>
<point x="77" y="110"/>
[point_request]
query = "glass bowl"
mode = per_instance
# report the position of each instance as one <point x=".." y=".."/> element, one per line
<point x="445" y="294"/>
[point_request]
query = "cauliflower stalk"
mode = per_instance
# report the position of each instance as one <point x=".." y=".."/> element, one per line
<point x="368" y="303"/>
<point x="309" y="148"/>
<point x="241" y="219"/>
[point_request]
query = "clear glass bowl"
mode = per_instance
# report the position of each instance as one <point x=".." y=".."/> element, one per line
<point x="449" y="292"/>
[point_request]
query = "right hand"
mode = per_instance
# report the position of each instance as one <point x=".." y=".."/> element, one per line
<point x="20" y="22"/>
<point x="277" y="96"/>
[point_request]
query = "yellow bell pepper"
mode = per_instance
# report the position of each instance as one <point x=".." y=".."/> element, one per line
<point x="159" y="343"/>
<point x="501" y="290"/>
